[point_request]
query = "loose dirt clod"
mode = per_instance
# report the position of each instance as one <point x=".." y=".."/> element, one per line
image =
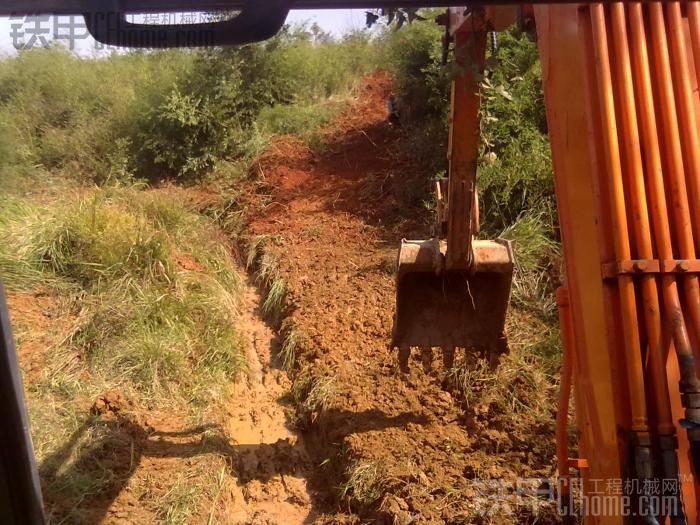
<point x="110" y="404"/>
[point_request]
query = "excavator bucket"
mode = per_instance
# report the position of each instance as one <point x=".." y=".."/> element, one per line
<point x="452" y="308"/>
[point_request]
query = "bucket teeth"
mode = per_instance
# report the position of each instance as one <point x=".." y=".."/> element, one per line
<point x="491" y="353"/>
<point x="426" y="355"/>
<point x="448" y="357"/>
<point x="404" y="355"/>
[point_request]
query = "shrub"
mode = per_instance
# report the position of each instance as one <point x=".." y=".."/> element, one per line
<point x="167" y="114"/>
<point x="515" y="173"/>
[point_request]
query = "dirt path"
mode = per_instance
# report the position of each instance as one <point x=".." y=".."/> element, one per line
<point x="398" y="449"/>
<point x="272" y="462"/>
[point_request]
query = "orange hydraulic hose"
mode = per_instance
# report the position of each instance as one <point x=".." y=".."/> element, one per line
<point x="679" y="196"/>
<point x="664" y="245"/>
<point x="628" y="301"/>
<point x="567" y="366"/>
<point x="689" y="131"/>
<point x="693" y="9"/>
<point x="640" y="218"/>
<point x="686" y="109"/>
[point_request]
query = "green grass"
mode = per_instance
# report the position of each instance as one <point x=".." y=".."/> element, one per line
<point x="295" y="120"/>
<point x="274" y="298"/>
<point x="292" y="342"/>
<point x="145" y="296"/>
<point x="265" y="264"/>
<point x="537" y="260"/>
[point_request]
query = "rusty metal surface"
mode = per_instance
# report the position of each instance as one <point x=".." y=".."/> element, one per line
<point x="450" y="309"/>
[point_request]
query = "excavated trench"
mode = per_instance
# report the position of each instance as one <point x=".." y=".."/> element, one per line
<point x="272" y="464"/>
<point x="379" y="445"/>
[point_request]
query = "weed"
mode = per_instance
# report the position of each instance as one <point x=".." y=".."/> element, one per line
<point x="320" y="395"/>
<point x="143" y="320"/>
<point x="274" y="298"/>
<point x="292" y="342"/>
<point x="537" y="259"/>
<point x="295" y="120"/>
<point x="180" y="502"/>
<point x="521" y="389"/>
<point x="316" y="143"/>
<point x="312" y="394"/>
<point x="365" y="482"/>
<point x="255" y="248"/>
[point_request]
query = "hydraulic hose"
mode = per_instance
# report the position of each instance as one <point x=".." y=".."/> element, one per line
<point x="693" y="9"/>
<point x="687" y="117"/>
<point x="676" y="179"/>
<point x="635" y="373"/>
<point x="634" y="168"/>
<point x="691" y="152"/>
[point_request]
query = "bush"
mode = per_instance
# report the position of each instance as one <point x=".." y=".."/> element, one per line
<point x="212" y="114"/>
<point x="77" y="116"/>
<point x="413" y="55"/>
<point x="515" y="172"/>
<point x="168" y="114"/>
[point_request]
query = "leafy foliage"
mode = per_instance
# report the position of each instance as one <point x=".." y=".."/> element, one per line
<point x="515" y="176"/>
<point x="163" y="115"/>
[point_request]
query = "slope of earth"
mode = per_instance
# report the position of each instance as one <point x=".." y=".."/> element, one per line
<point x="391" y="448"/>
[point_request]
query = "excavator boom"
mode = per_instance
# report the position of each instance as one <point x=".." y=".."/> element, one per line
<point x="451" y="291"/>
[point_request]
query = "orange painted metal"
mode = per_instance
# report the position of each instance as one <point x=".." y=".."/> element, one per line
<point x="567" y="368"/>
<point x="693" y="10"/>
<point x="686" y="115"/>
<point x="673" y="156"/>
<point x="463" y="148"/>
<point x="621" y="241"/>
<point x="652" y="266"/>
<point x="637" y="197"/>
<point x="690" y="147"/>
<point x="615" y="191"/>
<point x="599" y="384"/>
<point x="579" y="463"/>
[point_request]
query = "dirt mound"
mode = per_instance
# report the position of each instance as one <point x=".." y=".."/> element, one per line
<point x="111" y="403"/>
<point x="397" y="448"/>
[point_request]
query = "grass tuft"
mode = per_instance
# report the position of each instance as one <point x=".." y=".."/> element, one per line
<point x="152" y="292"/>
<point x="274" y="299"/>
<point x="537" y="260"/>
<point x="365" y="482"/>
<point x="292" y="341"/>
